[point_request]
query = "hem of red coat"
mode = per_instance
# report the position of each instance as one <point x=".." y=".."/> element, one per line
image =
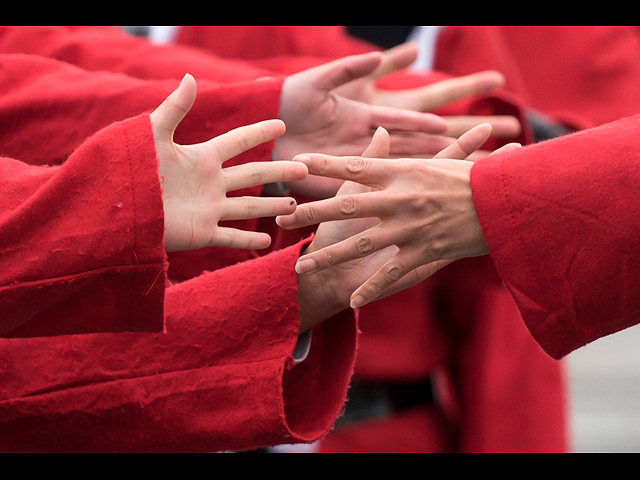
<point x="493" y="207"/>
<point x="147" y="304"/>
<point x="328" y="379"/>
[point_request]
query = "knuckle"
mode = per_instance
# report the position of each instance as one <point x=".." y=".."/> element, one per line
<point x="375" y="287"/>
<point x="438" y="249"/>
<point x="417" y="201"/>
<point x="364" y="246"/>
<point x="308" y="215"/>
<point x="356" y="165"/>
<point x="322" y="165"/>
<point x="347" y="205"/>
<point x="329" y="258"/>
<point x="392" y="273"/>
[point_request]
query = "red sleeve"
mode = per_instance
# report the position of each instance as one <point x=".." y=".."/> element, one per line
<point x="48" y="108"/>
<point x="272" y="41"/>
<point x="220" y="378"/>
<point x="111" y="49"/>
<point x="591" y="78"/>
<point x="81" y="244"/>
<point x="561" y="222"/>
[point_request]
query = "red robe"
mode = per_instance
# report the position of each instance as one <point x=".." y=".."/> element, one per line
<point x="82" y="253"/>
<point x="561" y="222"/>
<point x="580" y="75"/>
<point x="68" y="104"/>
<point x="473" y="357"/>
<point x="502" y="392"/>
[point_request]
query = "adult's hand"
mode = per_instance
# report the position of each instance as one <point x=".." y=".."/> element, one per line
<point x="431" y="97"/>
<point x="422" y="207"/>
<point x="320" y="120"/>
<point x="194" y="184"/>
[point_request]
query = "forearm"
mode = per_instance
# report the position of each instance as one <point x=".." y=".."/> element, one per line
<point x="82" y="244"/>
<point x="100" y="48"/>
<point x="220" y="378"/>
<point x="66" y="105"/>
<point x="320" y="296"/>
<point x="561" y="225"/>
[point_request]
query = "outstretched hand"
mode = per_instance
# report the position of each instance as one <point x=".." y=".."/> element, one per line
<point x="431" y="97"/>
<point x="320" y="120"/>
<point x="421" y="208"/>
<point x="194" y="184"/>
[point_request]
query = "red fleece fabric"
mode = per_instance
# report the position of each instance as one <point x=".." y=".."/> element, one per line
<point x="562" y="228"/>
<point x="220" y="376"/>
<point x="84" y="237"/>
<point x="506" y="393"/>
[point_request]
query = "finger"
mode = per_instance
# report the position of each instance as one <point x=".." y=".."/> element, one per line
<point x="244" y="208"/>
<point x="240" y="239"/>
<point x="504" y="126"/>
<point x="366" y="293"/>
<point x="238" y="140"/>
<point x="384" y="279"/>
<point x="380" y="145"/>
<point x="509" y="147"/>
<point x="260" y="173"/>
<point x="467" y="144"/>
<point x="333" y="74"/>
<point x="355" y="247"/>
<point x="322" y="187"/>
<point x="447" y="91"/>
<point x="371" y="172"/>
<point x="418" y="145"/>
<point x="341" y="207"/>
<point x="435" y="95"/>
<point x="166" y="118"/>
<point x="395" y="119"/>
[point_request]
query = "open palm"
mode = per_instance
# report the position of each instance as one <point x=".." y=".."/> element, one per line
<point x="194" y="184"/>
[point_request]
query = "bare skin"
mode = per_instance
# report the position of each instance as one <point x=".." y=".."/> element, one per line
<point x="418" y="211"/>
<point x="194" y="182"/>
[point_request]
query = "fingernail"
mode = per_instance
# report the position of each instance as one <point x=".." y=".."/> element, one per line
<point x="357" y="301"/>
<point x="306" y="266"/>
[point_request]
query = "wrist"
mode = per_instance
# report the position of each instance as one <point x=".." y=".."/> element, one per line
<point x="318" y="296"/>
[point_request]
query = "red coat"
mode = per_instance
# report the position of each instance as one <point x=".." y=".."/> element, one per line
<point x="561" y="222"/>
<point x="500" y="392"/>
<point x="67" y="105"/>
<point x="580" y="75"/>
<point x="82" y="252"/>
<point x="475" y="360"/>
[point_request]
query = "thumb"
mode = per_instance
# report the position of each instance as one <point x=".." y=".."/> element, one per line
<point x="166" y="118"/>
<point x="379" y="146"/>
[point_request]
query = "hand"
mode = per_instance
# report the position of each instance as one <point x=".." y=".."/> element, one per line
<point x="327" y="293"/>
<point x="431" y="97"/>
<point x="329" y="290"/>
<point x="194" y="184"/>
<point x="318" y="119"/>
<point x="423" y="207"/>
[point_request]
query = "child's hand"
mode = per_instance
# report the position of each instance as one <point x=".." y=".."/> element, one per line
<point x="194" y="184"/>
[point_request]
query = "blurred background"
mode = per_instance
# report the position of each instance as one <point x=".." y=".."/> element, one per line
<point x="604" y="381"/>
